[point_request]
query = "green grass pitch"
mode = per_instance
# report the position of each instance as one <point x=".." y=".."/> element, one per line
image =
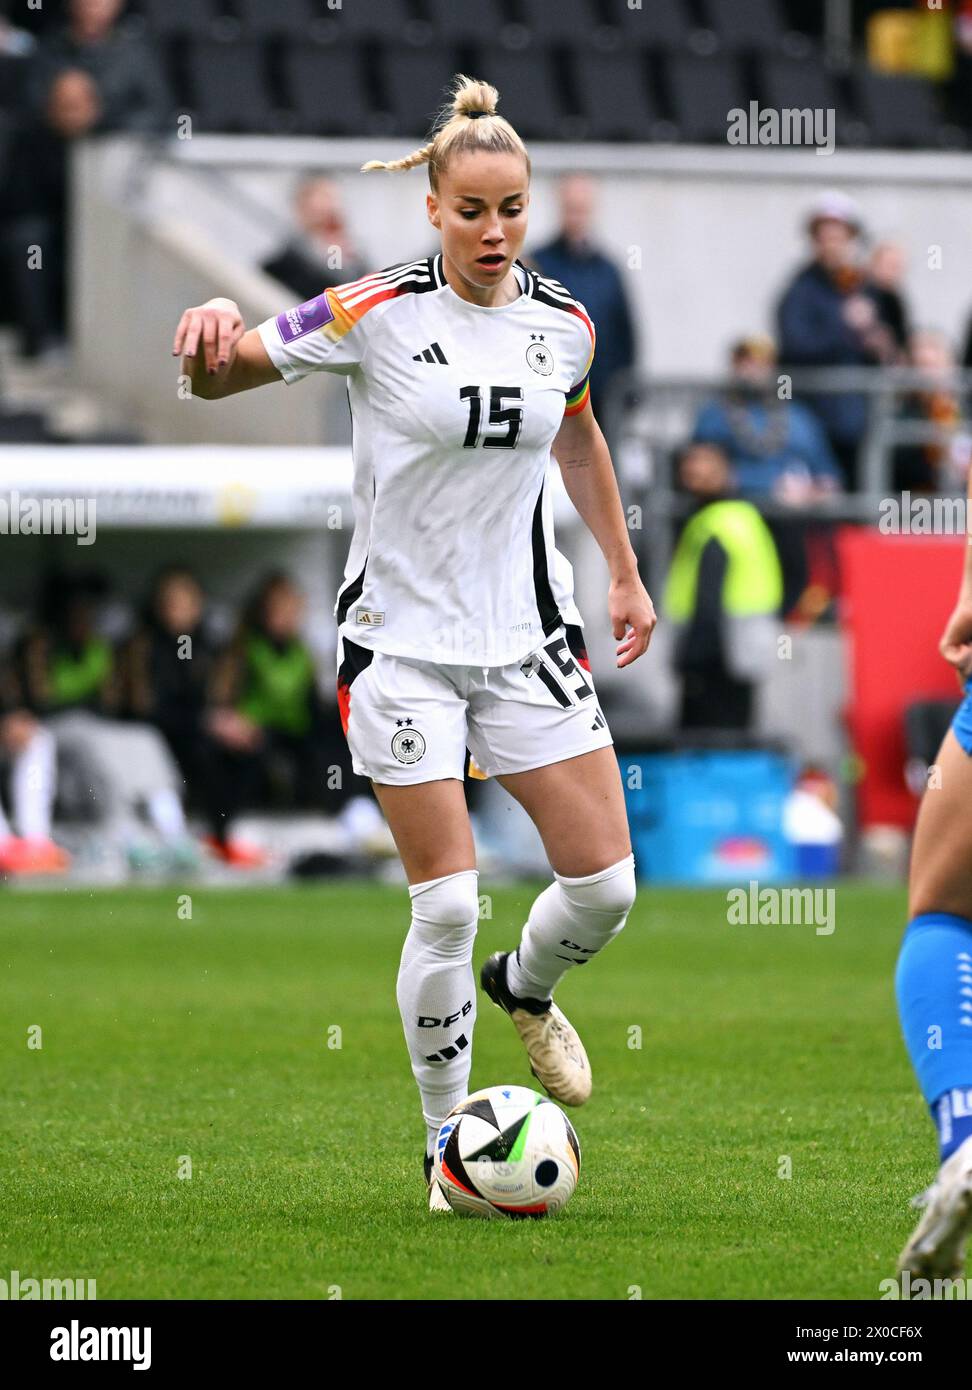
<point x="164" y="1038"/>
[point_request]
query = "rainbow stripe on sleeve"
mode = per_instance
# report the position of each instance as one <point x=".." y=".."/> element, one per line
<point x="579" y="395"/>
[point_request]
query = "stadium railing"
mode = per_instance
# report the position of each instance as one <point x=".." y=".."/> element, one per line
<point x="648" y="419"/>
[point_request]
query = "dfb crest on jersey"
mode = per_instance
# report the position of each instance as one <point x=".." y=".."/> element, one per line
<point x="407" y="743"/>
<point x="538" y="355"/>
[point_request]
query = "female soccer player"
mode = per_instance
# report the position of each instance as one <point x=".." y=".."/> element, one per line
<point x="456" y="622"/>
<point x="934" y="977"/>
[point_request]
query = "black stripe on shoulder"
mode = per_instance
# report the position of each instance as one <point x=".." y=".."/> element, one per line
<point x="529" y="278"/>
<point x="553" y="294"/>
<point x="405" y="277"/>
<point x="423" y="276"/>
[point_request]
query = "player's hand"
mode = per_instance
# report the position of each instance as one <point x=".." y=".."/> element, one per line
<point x="216" y="327"/>
<point x="633" y="618"/>
<point x="956" y="643"/>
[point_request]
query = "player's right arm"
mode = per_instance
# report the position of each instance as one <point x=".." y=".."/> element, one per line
<point x="956" y="643"/>
<point x="219" y="355"/>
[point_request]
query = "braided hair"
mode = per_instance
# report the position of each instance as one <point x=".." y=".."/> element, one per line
<point x="468" y="121"/>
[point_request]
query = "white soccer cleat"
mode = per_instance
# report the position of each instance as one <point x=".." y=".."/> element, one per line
<point x="437" y="1198"/>
<point x="557" y="1056"/>
<point x="937" y="1248"/>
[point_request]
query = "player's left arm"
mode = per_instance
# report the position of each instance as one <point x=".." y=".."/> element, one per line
<point x="588" y="473"/>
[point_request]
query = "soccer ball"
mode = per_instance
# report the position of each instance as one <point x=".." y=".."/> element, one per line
<point x="507" y="1151"/>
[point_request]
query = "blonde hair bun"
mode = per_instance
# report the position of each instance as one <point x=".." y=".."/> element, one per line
<point x="458" y="129"/>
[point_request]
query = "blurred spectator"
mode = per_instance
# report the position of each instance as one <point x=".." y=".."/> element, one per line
<point x="590" y="276"/>
<point x="775" y="447"/>
<point x="28" y="762"/>
<point x="70" y="680"/>
<point x="722" y="596"/>
<point x="34" y="243"/>
<point x="131" y="91"/>
<point x="65" y="663"/>
<point x="941" y="464"/>
<point x="829" y="316"/>
<point x="167" y="671"/>
<point x="268" y="716"/>
<point x="886" y="271"/>
<point x="91" y="76"/>
<point x="322" y="252"/>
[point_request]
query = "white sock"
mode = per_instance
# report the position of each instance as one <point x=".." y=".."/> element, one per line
<point x="437" y="991"/>
<point x="568" y="924"/>
<point x="166" y="813"/>
<point x="32" y="786"/>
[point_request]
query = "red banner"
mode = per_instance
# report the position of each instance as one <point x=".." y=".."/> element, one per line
<point x="897" y="594"/>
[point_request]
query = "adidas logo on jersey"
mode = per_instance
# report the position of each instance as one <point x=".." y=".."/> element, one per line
<point x="432" y="354"/>
<point x="599" y="721"/>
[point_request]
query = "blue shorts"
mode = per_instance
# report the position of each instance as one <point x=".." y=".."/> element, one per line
<point x="962" y="723"/>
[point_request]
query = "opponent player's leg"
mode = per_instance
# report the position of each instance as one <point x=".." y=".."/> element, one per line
<point x="934" y="990"/>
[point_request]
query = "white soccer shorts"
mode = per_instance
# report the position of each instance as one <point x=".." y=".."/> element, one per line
<point x="410" y="721"/>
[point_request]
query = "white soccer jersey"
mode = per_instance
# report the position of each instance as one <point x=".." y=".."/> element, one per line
<point x="454" y="409"/>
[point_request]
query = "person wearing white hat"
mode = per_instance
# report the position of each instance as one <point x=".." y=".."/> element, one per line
<point x="829" y="316"/>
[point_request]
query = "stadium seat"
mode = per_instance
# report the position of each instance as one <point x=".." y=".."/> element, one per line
<point x="792" y="82"/>
<point x="413" y="82"/>
<point x="662" y="26"/>
<point x="228" y="84"/>
<point x="630" y="112"/>
<point x="745" y="24"/>
<point x="704" y="91"/>
<point x="566" y="21"/>
<point x="168" y="18"/>
<point x="899" y="110"/>
<point x="398" y="17"/>
<point x="326" y="89"/>
<point x="278" y="18"/>
<point x="454" y="23"/>
<point x="529" y="94"/>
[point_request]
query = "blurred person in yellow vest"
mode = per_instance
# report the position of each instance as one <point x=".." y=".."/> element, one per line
<point x="722" y="597"/>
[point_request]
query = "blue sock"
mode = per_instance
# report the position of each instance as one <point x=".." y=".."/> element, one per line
<point x="952" y="1114"/>
<point x="934" y="988"/>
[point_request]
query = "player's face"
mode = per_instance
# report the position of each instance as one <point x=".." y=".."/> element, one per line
<point x="481" y="212"/>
